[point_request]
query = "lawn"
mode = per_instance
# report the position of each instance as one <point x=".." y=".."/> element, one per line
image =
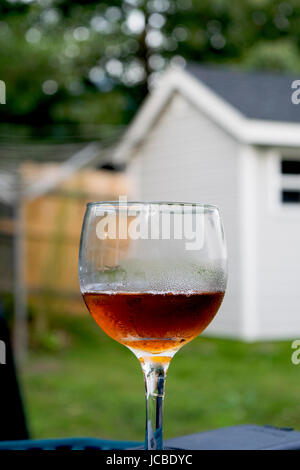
<point x="92" y="386"/>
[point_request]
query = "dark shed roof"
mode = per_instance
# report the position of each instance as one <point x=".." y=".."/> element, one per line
<point x="258" y="95"/>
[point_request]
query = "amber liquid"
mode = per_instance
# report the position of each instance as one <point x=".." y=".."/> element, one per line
<point x="155" y="323"/>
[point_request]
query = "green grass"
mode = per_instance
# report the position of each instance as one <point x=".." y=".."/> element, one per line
<point x="94" y="387"/>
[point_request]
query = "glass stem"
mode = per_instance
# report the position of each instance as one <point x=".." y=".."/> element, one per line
<point x="155" y="377"/>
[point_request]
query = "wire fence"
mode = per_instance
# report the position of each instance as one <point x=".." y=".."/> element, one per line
<point x="45" y="183"/>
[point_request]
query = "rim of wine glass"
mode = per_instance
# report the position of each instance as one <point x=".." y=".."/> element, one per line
<point x="147" y="203"/>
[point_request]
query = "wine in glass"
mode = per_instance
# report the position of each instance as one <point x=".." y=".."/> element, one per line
<point x="153" y="276"/>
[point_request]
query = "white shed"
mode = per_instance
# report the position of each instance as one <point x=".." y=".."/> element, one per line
<point x="231" y="138"/>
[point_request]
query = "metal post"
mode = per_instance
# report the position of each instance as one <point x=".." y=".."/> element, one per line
<point x="20" y="337"/>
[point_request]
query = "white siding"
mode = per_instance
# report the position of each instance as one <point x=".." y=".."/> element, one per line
<point x="278" y="259"/>
<point x="186" y="157"/>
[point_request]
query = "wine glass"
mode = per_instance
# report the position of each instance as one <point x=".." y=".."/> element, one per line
<point x="153" y="276"/>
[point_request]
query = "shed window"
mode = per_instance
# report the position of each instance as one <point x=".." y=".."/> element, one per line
<point x="290" y="196"/>
<point x="290" y="167"/>
<point x="290" y="180"/>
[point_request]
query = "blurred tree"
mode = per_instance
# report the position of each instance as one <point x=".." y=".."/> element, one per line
<point x="92" y="62"/>
<point x="277" y="55"/>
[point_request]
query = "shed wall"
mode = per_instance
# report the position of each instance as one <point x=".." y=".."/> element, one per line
<point x="187" y="157"/>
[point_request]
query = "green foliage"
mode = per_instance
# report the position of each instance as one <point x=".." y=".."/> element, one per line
<point x="8" y="305"/>
<point x="91" y="62"/>
<point x="279" y="55"/>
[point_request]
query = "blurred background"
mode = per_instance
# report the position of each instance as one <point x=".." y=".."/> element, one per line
<point x="76" y="73"/>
